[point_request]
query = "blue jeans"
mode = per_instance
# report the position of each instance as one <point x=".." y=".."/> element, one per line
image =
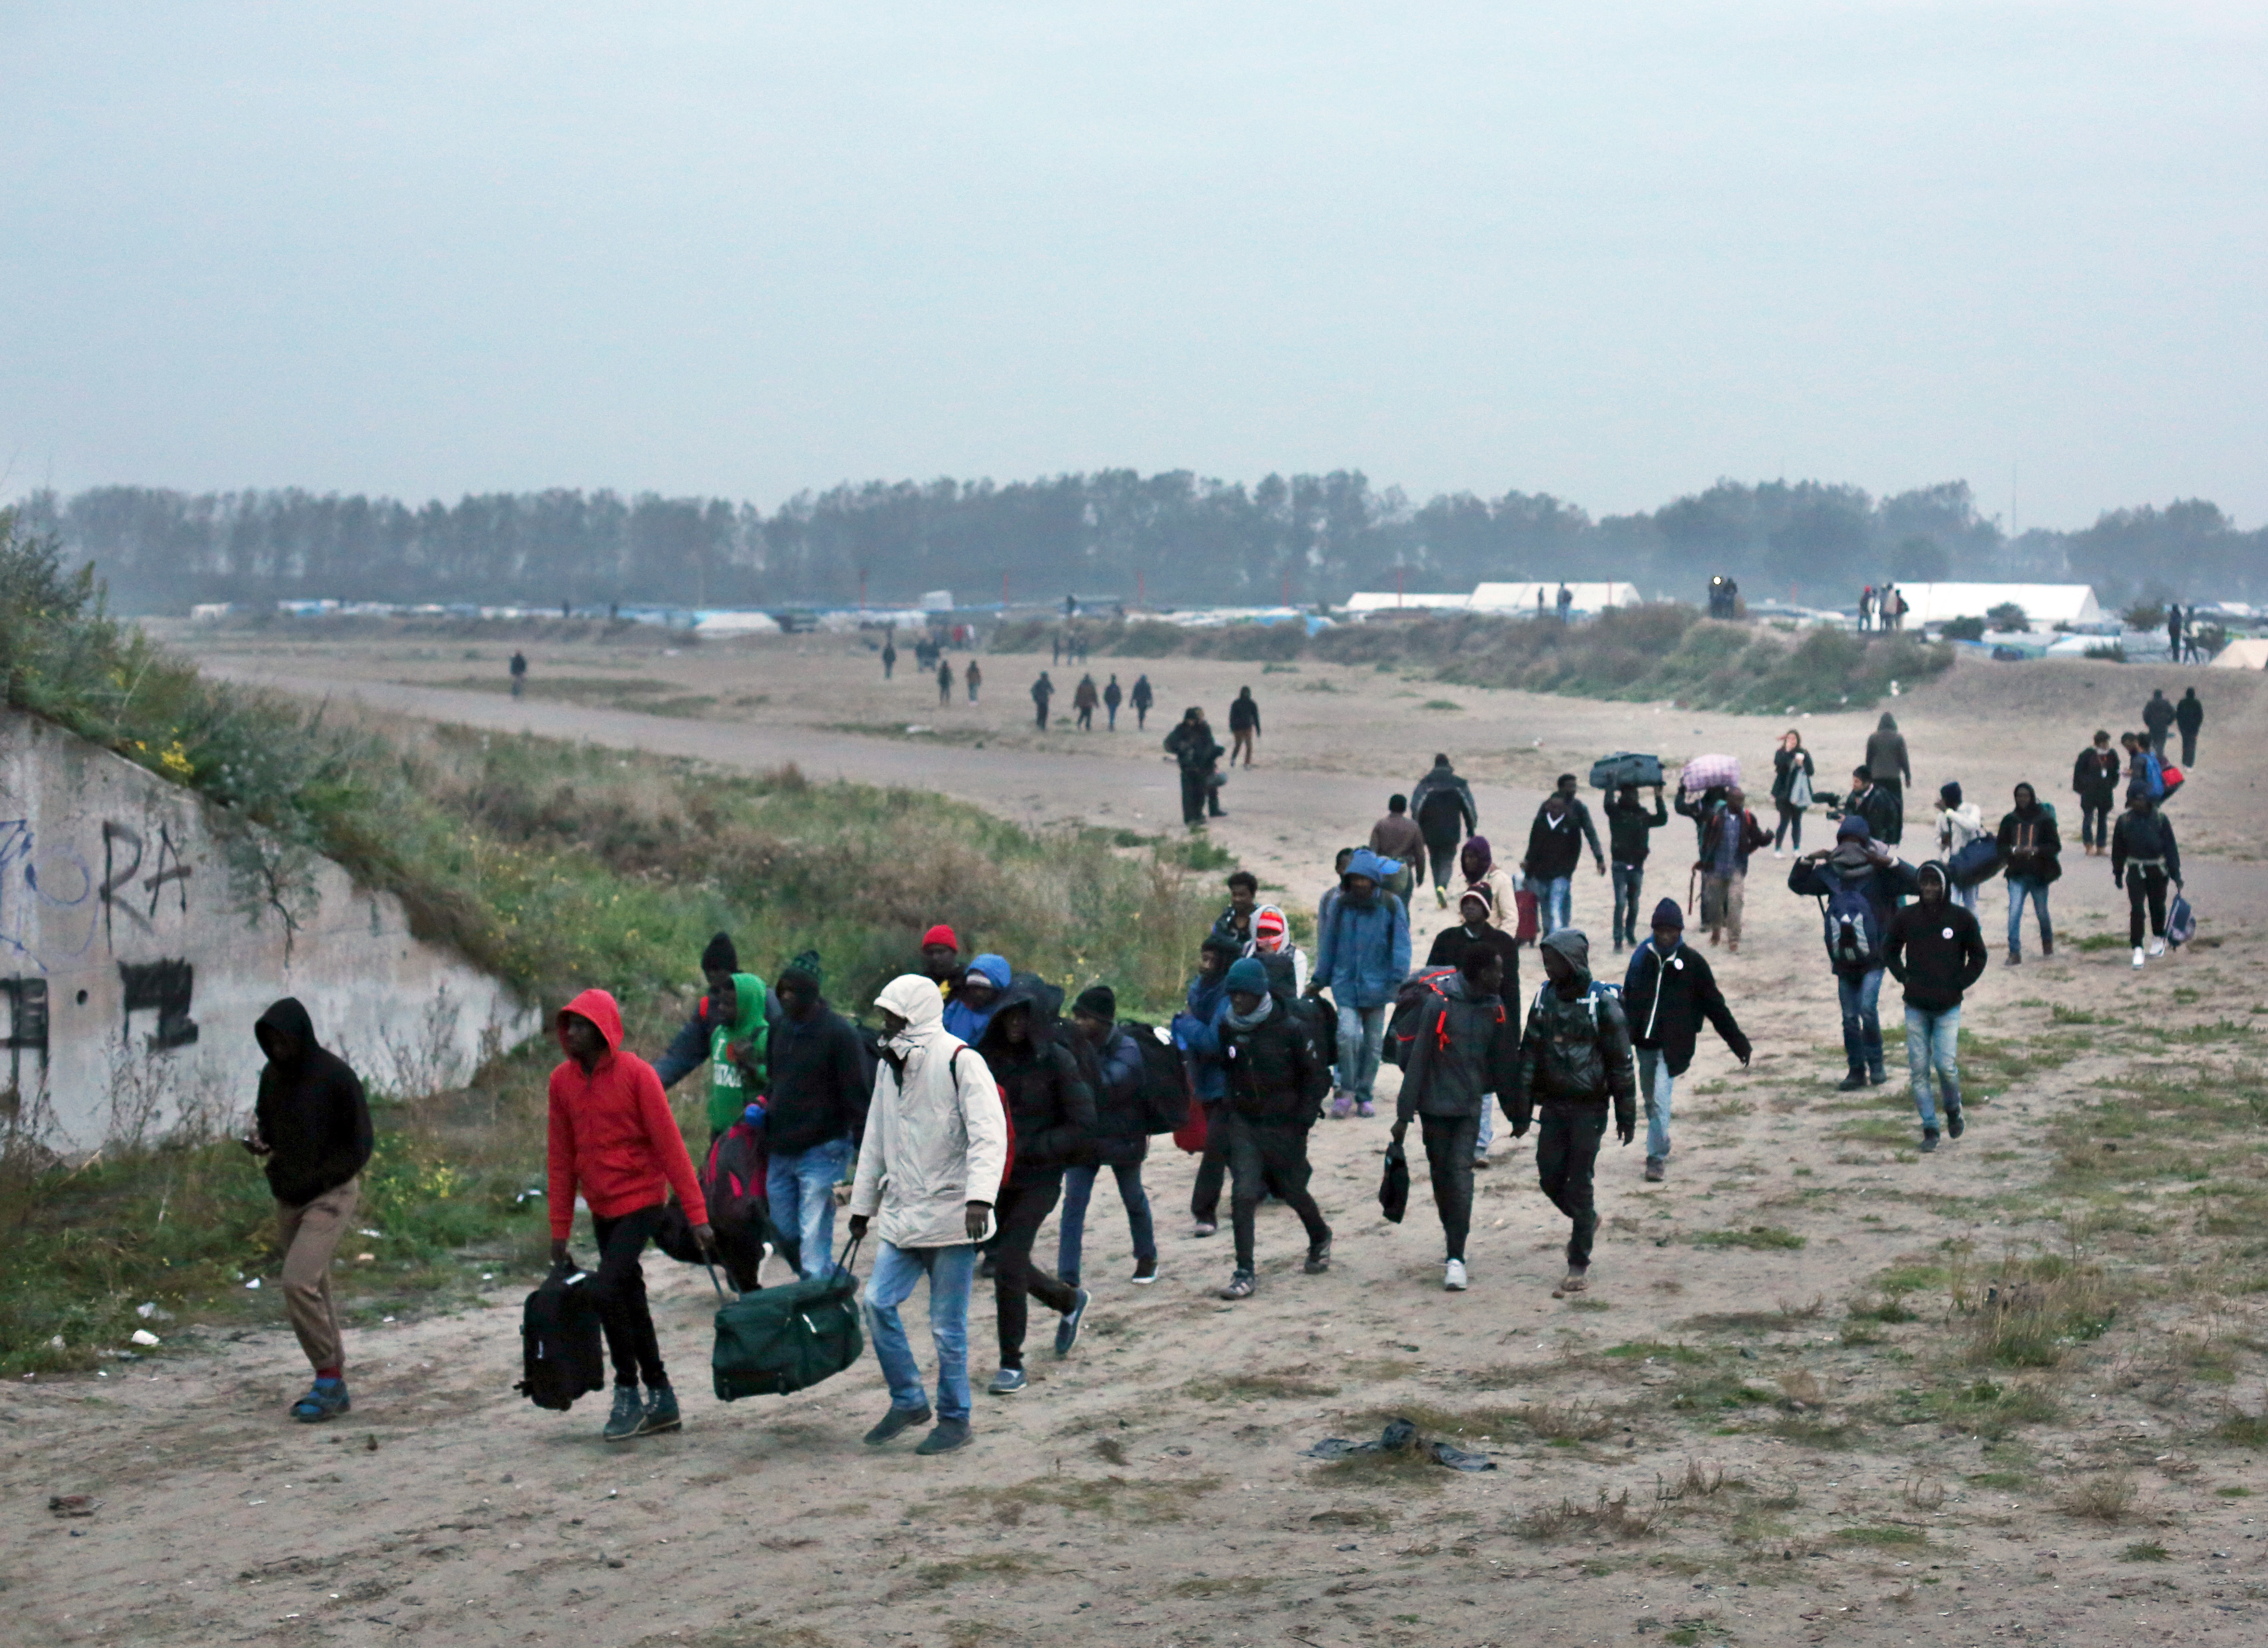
<point x="801" y="1186"/>
<point x="2019" y="889"/>
<point x="1488" y="1126"/>
<point x="1862" y="1025"/>
<point x="950" y="1271"/>
<point x="1933" y="1041"/>
<point x="1629" y="879"/>
<point x="1554" y="903"/>
<point x="1362" y="1035"/>
<point x="1654" y="1086"/>
<point x="1078" y="1185"/>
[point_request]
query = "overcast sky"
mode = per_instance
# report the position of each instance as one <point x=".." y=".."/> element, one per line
<point x="1608" y="251"/>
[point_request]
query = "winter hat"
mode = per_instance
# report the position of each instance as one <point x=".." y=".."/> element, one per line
<point x="1854" y="828"/>
<point x="1247" y="977"/>
<point x="1480" y="894"/>
<point x="943" y="935"/>
<point x="1950" y="794"/>
<point x="807" y="965"/>
<point x="1667" y="914"/>
<point x="720" y="956"/>
<point x="1097" y="1001"/>
<point x="1226" y="945"/>
<point x="1270" y="929"/>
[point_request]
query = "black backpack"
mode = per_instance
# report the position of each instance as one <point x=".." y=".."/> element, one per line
<point x="1164" y="1096"/>
<point x="561" y="1353"/>
<point x="1322" y="1021"/>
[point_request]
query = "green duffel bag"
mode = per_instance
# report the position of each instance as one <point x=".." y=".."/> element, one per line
<point x="786" y="1339"/>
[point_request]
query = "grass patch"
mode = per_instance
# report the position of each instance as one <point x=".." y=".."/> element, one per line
<point x="989" y="1565"/>
<point x="2105" y="1497"/>
<point x="2243" y="1430"/>
<point x="1895" y="1534"/>
<point x="1111" y="1498"/>
<point x="1238" y="1387"/>
<point x="1656" y="1350"/>
<point x="2145" y="1550"/>
<point x="1442" y="704"/>
<point x="1762" y="1237"/>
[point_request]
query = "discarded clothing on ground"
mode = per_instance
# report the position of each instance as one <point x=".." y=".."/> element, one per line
<point x="1401" y="1436"/>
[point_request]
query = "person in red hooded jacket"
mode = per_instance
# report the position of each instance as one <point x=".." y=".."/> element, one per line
<point x="613" y="1138"/>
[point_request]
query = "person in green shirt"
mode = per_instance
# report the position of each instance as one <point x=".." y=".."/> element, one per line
<point x="737" y="1047"/>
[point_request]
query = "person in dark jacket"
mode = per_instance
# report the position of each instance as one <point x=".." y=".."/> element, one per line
<point x="1467" y="1048"/>
<point x="1885" y="814"/>
<point x="1084" y="700"/>
<point x="1886" y="764"/>
<point x="973" y="678"/>
<point x="1042" y="691"/>
<point x="1051" y="1119"/>
<point x="688" y="1048"/>
<point x="1114" y="1068"/>
<point x="1935" y="949"/>
<point x="1791" y="760"/>
<point x="2158" y="717"/>
<point x="1192" y="745"/>
<point x="1479" y="928"/>
<point x="1196" y="1036"/>
<point x="1113" y="696"/>
<point x="889" y="656"/>
<point x="311" y="1131"/>
<point x="1442" y="805"/>
<point x="1277" y="1080"/>
<point x="1142" y="698"/>
<point x="1555" y="847"/>
<point x="1243" y="726"/>
<point x="1574" y="1059"/>
<point x="1730" y="837"/>
<point x="2094" y="781"/>
<point x="1861" y="881"/>
<point x="2144" y="857"/>
<point x="1235" y="922"/>
<point x="1667" y="992"/>
<point x="2189" y="716"/>
<point x="1629" y="829"/>
<point x="2033" y="856"/>
<point x="1396" y="836"/>
<point x="816" y="1105"/>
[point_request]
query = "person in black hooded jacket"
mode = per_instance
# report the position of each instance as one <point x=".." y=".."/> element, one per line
<point x="1277" y="1081"/>
<point x="310" y="1129"/>
<point x="1051" y="1113"/>
<point x="1935" y="949"/>
<point x="1667" y="992"/>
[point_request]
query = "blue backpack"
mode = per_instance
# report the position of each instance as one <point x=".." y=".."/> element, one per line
<point x="1854" y="927"/>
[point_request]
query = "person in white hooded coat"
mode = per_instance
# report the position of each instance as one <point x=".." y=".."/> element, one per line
<point x="930" y="1168"/>
<point x="1958" y="823"/>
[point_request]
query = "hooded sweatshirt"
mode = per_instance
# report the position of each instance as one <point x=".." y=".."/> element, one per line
<point x="1886" y="753"/>
<point x="1575" y="1055"/>
<point x="1504" y="906"/>
<point x="611" y="1136"/>
<point x="1363" y="952"/>
<point x="1443" y="803"/>
<point x="1046" y="1091"/>
<point x="310" y="1113"/>
<point x="1858" y="865"/>
<point x="733" y="1086"/>
<point x="1467" y="1047"/>
<point x="1666" y="995"/>
<point x="1936" y="951"/>
<point x="966" y="1022"/>
<point x="937" y="1138"/>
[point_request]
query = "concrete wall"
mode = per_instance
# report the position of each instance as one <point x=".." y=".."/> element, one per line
<point x="132" y="965"/>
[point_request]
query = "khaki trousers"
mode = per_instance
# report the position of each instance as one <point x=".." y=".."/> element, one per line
<point x="312" y="1233"/>
<point x="1722" y="899"/>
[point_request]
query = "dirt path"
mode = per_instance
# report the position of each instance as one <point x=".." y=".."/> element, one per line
<point x="1152" y="1488"/>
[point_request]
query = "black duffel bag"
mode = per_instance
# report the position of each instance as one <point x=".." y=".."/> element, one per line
<point x="787" y="1339"/>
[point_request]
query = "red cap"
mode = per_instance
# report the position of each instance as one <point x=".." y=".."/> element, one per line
<point x="940" y="934"/>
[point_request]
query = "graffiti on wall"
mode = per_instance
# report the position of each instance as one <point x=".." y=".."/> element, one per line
<point x="53" y="905"/>
<point x="27" y="1027"/>
<point x="164" y="987"/>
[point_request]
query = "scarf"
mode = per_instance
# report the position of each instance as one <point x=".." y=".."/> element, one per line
<point x="1239" y="1021"/>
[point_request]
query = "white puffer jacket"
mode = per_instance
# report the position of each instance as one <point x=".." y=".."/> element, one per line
<point x="937" y="1138"/>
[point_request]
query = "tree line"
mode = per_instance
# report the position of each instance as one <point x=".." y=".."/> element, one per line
<point x="1172" y="538"/>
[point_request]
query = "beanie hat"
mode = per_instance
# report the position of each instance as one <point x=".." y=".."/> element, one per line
<point x="1479" y="890"/>
<point x="1950" y="794"/>
<point x="1854" y="828"/>
<point x="1247" y="977"/>
<point x="1223" y="943"/>
<point x="1097" y="1001"/>
<point x="1667" y="914"/>
<point x="807" y="965"/>
<point x="720" y="956"/>
<point x="941" y="934"/>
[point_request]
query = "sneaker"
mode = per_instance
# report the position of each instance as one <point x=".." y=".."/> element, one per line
<point x="660" y="1412"/>
<point x="1319" y="1257"/>
<point x="326" y="1399"/>
<point x="1453" y="1275"/>
<point x="1577" y="1280"/>
<point x="1241" y="1285"/>
<point x="1852" y="1083"/>
<point x="1342" y="1105"/>
<point x="2157" y="947"/>
<point x="1146" y="1271"/>
<point x="1366" y="1109"/>
<point x="1006" y="1382"/>
<point x="1480" y="1159"/>
<point x="2047" y="948"/>
<point x="896" y="1422"/>
<point x="1656" y="1170"/>
<point x="1875" y="1078"/>
<point x="1203" y="1227"/>
<point x="1928" y="1140"/>
<point x="1067" y="1329"/>
<point x="2138" y="958"/>
<point x="1440" y="895"/>
<point x="623" y="1422"/>
<point x="1954" y="1126"/>
<point x="949" y="1435"/>
<point x="2016" y="958"/>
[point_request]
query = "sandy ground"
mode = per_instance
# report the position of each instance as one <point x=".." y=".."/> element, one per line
<point x="1152" y="1489"/>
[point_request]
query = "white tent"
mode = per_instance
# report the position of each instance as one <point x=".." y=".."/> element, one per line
<point x="2242" y="655"/>
<point x="2045" y="604"/>
<point x="1522" y="597"/>
<point x="1391" y="601"/>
